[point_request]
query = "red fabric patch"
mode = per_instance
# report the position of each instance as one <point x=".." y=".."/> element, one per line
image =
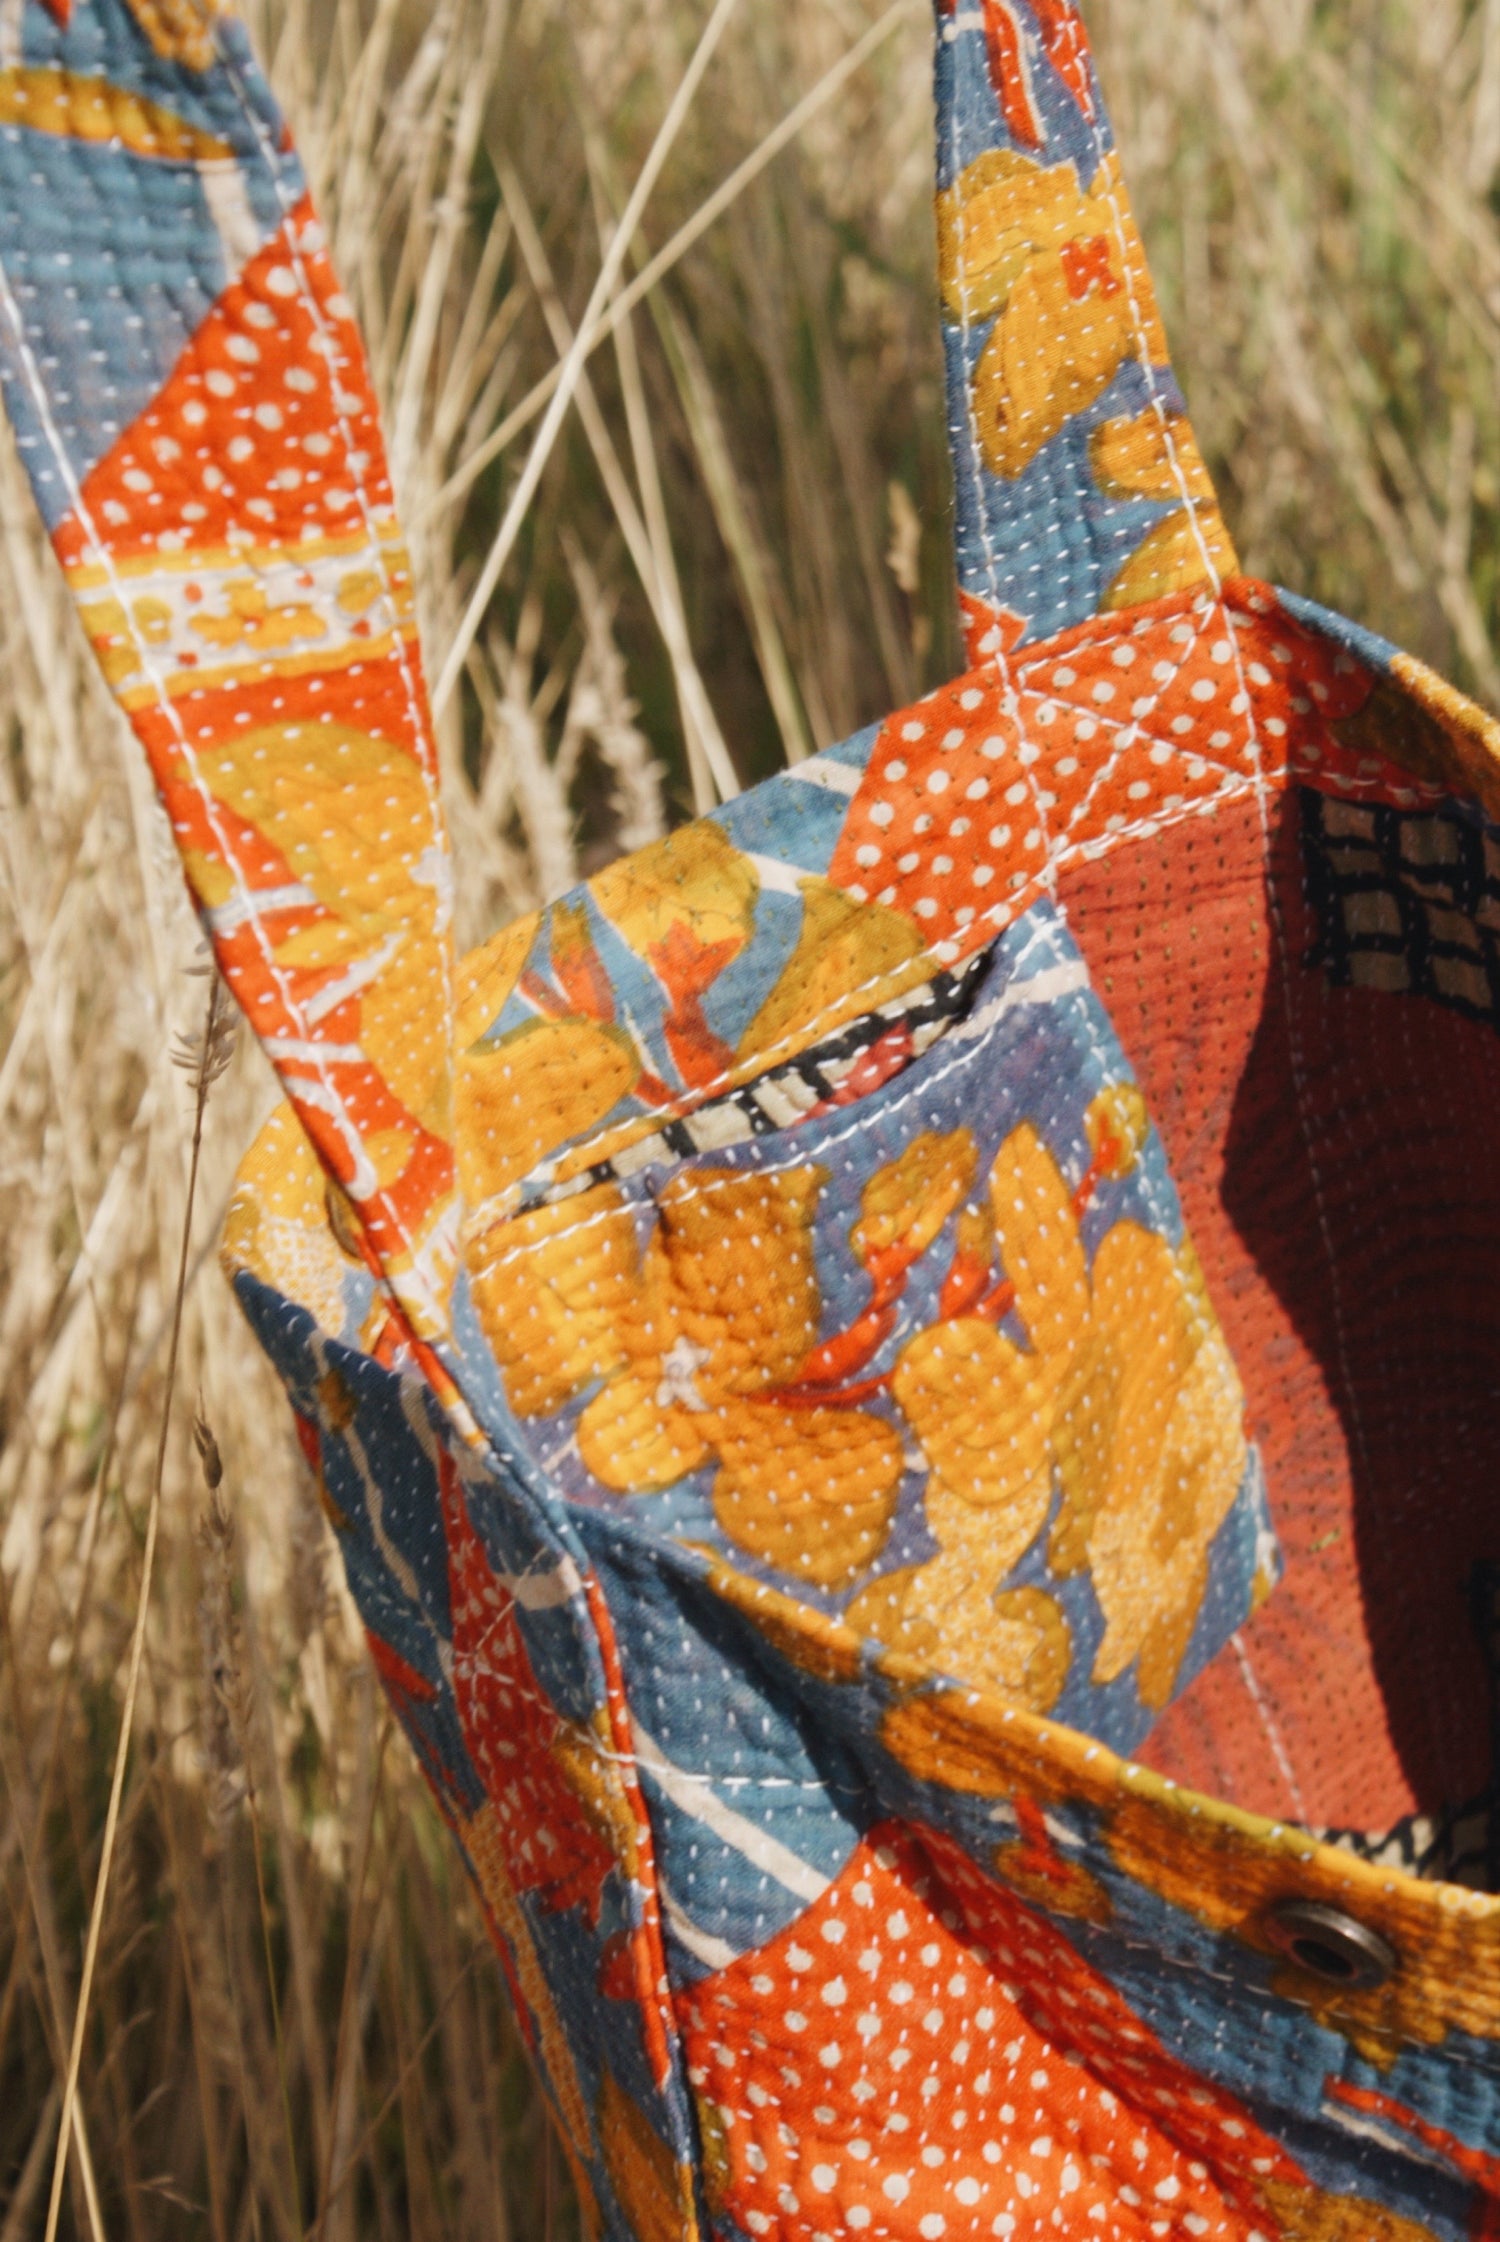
<point x="1334" y="1154"/>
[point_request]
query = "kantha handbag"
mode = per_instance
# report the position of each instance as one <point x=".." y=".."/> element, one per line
<point x="907" y="1378"/>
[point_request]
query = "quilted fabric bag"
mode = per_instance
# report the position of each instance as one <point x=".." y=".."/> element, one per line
<point x="907" y="1379"/>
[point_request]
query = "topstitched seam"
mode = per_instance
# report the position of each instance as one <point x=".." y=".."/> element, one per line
<point x="987" y="926"/>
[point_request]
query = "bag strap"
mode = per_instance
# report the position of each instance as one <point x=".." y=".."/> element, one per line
<point x="1079" y="487"/>
<point x="190" y="397"/>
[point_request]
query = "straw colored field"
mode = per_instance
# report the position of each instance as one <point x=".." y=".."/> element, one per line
<point x="738" y="551"/>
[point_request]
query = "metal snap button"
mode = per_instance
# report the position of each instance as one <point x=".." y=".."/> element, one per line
<point x="1330" y="1945"/>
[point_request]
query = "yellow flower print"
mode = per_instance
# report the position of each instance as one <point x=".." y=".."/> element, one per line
<point x="1065" y="273"/>
<point x="251" y="618"/>
<point x="518" y="1098"/>
<point x="1175" y="1460"/>
<point x="1146" y="1410"/>
<point x="552" y="1289"/>
<point x="690" y="1345"/>
<point x="85" y="105"/>
<point x="1124" y="1398"/>
<point x="1056" y="347"/>
<point x="813" y="1493"/>
<point x="1000" y="213"/>
<point x="1155" y="456"/>
<point x="694" y="882"/>
<point x="287" y="1225"/>
<point x="485" y="978"/>
<point x="1014" y="1641"/>
<point x="181" y="30"/>
<point x="981" y="1409"/>
<point x="352" y="816"/>
<point x="687" y="906"/>
<point x="850" y="956"/>
<point x="902" y="1208"/>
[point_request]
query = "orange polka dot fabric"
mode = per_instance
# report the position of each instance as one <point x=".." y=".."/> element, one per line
<point x="904" y="1379"/>
<point x="974" y="802"/>
<point x="941" y="2064"/>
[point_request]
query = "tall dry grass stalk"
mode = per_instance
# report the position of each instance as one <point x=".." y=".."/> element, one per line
<point x="735" y="550"/>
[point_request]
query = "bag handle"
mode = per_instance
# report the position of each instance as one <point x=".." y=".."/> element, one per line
<point x="1079" y="486"/>
<point x="219" y="499"/>
<point x="197" y="419"/>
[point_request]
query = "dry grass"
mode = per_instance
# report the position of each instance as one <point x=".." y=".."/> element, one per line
<point x="737" y="550"/>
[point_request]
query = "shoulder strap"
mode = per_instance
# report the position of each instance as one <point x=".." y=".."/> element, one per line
<point x="1078" y="484"/>
<point x="190" y="397"/>
<point x="195" y="413"/>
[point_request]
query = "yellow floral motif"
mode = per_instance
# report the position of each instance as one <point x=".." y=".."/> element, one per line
<point x="81" y="105"/>
<point x="687" y="1344"/>
<point x="905" y="1204"/>
<point x="1125" y="1392"/>
<point x="353" y="817"/>
<point x="1064" y="273"/>
<point x="254" y="620"/>
<point x="1026" y="1648"/>
<point x="694" y="884"/>
<point x="284" y="1224"/>
<point x="181" y="30"/>
<point x="486" y="978"/>
<point x="527" y="1092"/>
<point x="359" y="590"/>
<point x="514" y="1099"/>
<point x="687" y="906"/>
<point x="117" y="638"/>
<point x="694" y="913"/>
<point x="849" y="957"/>
<point x="702" y="1348"/>
<point x="1155" y="456"/>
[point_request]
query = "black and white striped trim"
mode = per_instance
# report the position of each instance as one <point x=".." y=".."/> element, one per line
<point x="1457" y="1846"/>
<point x="783" y="1096"/>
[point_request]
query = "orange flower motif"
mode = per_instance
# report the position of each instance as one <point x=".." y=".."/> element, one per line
<point x="687" y="1345"/>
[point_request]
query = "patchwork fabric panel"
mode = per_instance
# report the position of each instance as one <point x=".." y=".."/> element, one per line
<point x="191" y="399"/>
<point x="873" y="2023"/>
<point x="748" y="1320"/>
<point x="944" y="1362"/>
<point x="484" y="1627"/>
